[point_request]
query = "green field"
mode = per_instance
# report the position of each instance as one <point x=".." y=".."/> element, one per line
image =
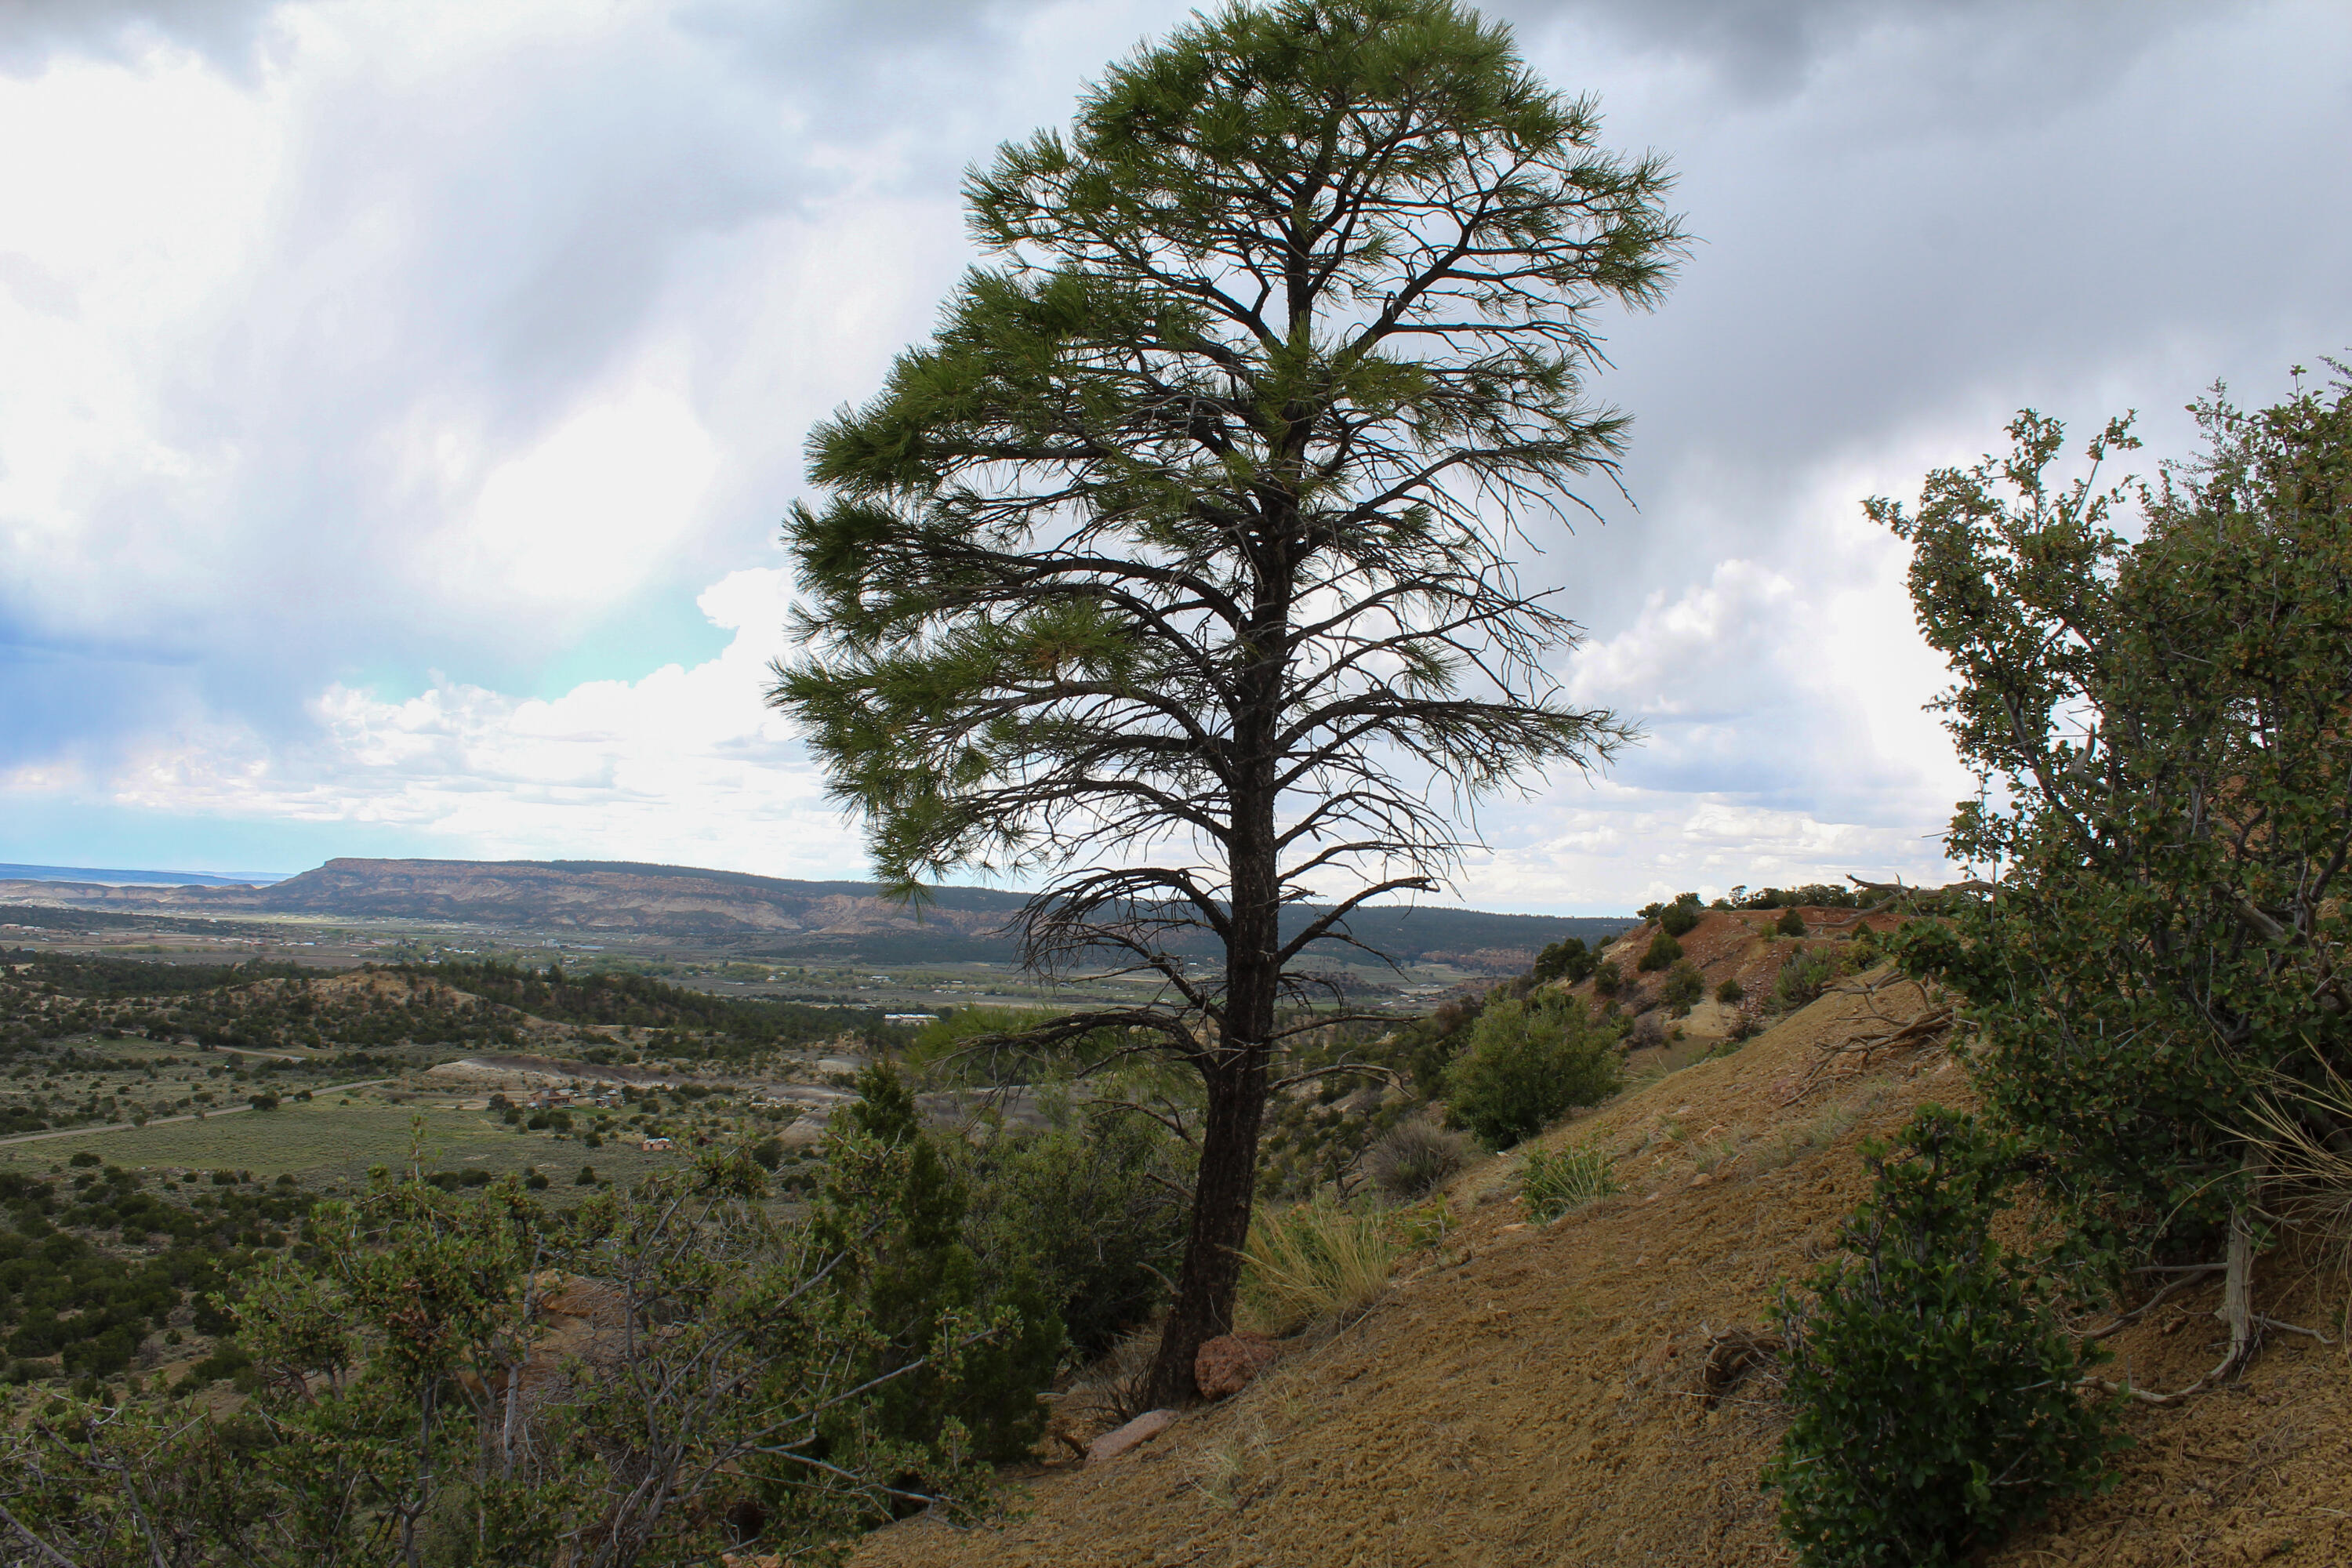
<point x="322" y="1140"/>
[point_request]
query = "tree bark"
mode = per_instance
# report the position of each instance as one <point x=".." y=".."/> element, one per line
<point x="1234" y="1074"/>
<point x="1222" y="1201"/>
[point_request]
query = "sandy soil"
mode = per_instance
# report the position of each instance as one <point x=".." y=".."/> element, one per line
<point x="1529" y="1395"/>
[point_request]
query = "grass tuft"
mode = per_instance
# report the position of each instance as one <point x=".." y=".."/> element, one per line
<point x="1315" y="1263"/>
<point x="1554" y="1183"/>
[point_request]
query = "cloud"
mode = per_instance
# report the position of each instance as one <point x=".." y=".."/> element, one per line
<point x="347" y="343"/>
<point x="683" y="765"/>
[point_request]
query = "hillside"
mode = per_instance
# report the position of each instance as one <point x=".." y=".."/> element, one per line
<point x="767" y="914"/>
<point x="1533" y="1394"/>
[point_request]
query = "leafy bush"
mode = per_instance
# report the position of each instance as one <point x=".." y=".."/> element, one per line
<point x="768" y="1153"/>
<point x="1414" y="1159"/>
<point x="1527" y="1064"/>
<point x="1430" y="1044"/>
<point x="1567" y="959"/>
<point x="1685" y="985"/>
<point x="1663" y="950"/>
<point x="1937" y="1398"/>
<point x="1731" y="993"/>
<point x="1677" y="918"/>
<point x="1608" y="979"/>
<point x="1790" y="924"/>
<point x="1314" y="1263"/>
<point x="1094" y="1215"/>
<point x="1553" y="1183"/>
<point x="1800" y="979"/>
<point x="889" y="1190"/>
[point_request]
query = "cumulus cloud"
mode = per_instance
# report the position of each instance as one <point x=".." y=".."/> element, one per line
<point x="683" y="765"/>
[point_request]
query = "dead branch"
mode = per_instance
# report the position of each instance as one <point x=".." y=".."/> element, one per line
<point x="1928" y="1027"/>
<point x="1729" y="1355"/>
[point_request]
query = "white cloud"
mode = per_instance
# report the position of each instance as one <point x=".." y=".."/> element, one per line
<point x="683" y="765"/>
<point x="591" y="511"/>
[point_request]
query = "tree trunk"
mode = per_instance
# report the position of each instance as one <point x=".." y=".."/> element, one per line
<point x="1221" y="1200"/>
<point x="1234" y="1074"/>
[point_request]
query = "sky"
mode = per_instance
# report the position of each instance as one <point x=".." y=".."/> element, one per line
<point x="399" y="398"/>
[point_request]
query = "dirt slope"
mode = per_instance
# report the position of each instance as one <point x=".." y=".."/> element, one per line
<point x="1529" y="1395"/>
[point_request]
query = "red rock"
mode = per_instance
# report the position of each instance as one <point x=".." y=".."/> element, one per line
<point x="1224" y="1365"/>
<point x="1142" y="1429"/>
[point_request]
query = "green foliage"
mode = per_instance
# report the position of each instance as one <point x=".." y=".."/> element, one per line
<point x="916" y="1279"/>
<point x="1567" y="959"/>
<point x="2170" y="826"/>
<point x="730" y="1369"/>
<point x="1552" y="1183"/>
<point x="1935" y="1397"/>
<point x="1731" y="993"/>
<point x="1093" y="1212"/>
<point x="1790" y="924"/>
<point x="1662" y="952"/>
<point x="1677" y="918"/>
<point x="1802" y="977"/>
<point x="1528" y="1063"/>
<point x="1607" y="978"/>
<point x="1685" y="985"/>
<point x="1431" y="1042"/>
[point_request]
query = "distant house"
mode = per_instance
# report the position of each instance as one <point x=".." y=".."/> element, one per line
<point x="656" y="1145"/>
<point x="910" y="1017"/>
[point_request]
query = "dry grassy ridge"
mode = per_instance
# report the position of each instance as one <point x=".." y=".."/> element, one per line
<point x="1530" y="1394"/>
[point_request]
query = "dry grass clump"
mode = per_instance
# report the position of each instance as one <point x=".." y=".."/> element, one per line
<point x="1108" y="1393"/>
<point x="1414" y="1159"/>
<point x="2309" y="1179"/>
<point x="1315" y="1263"/>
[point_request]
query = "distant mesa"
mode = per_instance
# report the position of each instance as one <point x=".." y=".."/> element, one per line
<point x="769" y="915"/>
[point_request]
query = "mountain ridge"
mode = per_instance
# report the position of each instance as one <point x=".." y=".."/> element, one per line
<point x="782" y="916"/>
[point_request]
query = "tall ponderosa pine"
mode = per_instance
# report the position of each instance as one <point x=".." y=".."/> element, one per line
<point x="1176" y="571"/>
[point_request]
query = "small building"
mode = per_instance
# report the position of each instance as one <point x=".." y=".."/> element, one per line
<point x="656" y="1145"/>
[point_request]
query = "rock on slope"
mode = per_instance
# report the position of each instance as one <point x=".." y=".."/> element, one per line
<point x="1538" y="1402"/>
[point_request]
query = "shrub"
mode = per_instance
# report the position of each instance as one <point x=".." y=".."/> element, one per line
<point x="1790" y="924"/>
<point x="1567" y="959"/>
<point x="1095" y="1215"/>
<point x="1414" y="1159"/>
<point x="84" y="1158"/>
<point x="536" y="1181"/>
<point x="1800" y="981"/>
<point x="889" y="1186"/>
<point x="768" y="1153"/>
<point x="1315" y="1263"/>
<point x="586" y="1178"/>
<point x="1685" y="985"/>
<point x="1676" y="919"/>
<point x="1528" y="1063"/>
<point x="1662" y="952"/>
<point x="1731" y="993"/>
<point x="1430" y="1044"/>
<point x="1934" y="1396"/>
<point x="1553" y="1183"/>
<point x="1608" y="979"/>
